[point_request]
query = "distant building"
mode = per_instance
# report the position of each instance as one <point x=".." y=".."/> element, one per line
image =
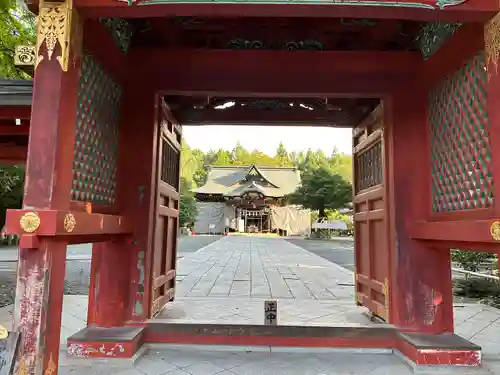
<point x="250" y="199"/>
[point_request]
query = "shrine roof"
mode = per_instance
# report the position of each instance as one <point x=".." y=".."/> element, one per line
<point x="15" y="92"/>
<point x="230" y="181"/>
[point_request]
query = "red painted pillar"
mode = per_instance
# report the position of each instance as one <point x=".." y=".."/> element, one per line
<point x="41" y="269"/>
<point x="109" y="287"/>
<point x="120" y="272"/>
<point x="421" y="291"/>
<point x="138" y="196"/>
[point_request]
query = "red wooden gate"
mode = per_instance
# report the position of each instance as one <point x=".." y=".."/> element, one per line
<point x="167" y="213"/>
<point x="370" y="219"/>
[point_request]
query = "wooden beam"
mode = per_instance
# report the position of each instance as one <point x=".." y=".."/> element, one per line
<point x="470" y="11"/>
<point x="12" y="113"/>
<point x="469" y="231"/>
<point x="460" y="47"/>
<point x="13" y="154"/>
<point x="54" y="223"/>
<point x="98" y="42"/>
<point x="23" y="129"/>
<point x="274" y="73"/>
<point x="285" y="117"/>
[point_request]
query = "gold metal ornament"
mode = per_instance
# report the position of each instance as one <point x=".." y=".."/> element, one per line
<point x="51" y="366"/>
<point x="3" y="333"/>
<point x="492" y="42"/>
<point x="22" y="370"/>
<point x="385" y="290"/>
<point x="69" y="223"/>
<point x="54" y="26"/>
<point x="495" y="230"/>
<point x="30" y="222"/>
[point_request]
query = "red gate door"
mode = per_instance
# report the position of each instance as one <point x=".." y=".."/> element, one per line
<point x="167" y="214"/>
<point x="370" y="220"/>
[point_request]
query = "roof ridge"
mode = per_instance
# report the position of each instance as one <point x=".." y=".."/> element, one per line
<point x="249" y="166"/>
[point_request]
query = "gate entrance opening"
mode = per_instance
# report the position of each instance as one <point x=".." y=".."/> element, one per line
<point x="114" y="84"/>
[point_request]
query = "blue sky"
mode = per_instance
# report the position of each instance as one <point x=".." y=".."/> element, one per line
<point x="267" y="138"/>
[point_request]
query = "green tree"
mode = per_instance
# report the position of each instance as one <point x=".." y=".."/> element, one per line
<point x="11" y="189"/>
<point x="239" y="155"/>
<point x="321" y="190"/>
<point x="17" y="26"/>
<point x="222" y="157"/>
<point x="282" y="158"/>
<point x="470" y="260"/>
<point x="261" y="159"/>
<point x="187" y="209"/>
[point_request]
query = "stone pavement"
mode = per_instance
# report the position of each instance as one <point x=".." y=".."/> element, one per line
<point x="311" y="291"/>
<point x="260" y="267"/>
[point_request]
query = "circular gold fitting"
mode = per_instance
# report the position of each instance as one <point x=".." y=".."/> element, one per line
<point x="30" y="222"/>
<point x="495" y="230"/>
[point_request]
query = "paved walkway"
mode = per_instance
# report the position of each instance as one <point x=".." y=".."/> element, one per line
<point x="311" y="291"/>
<point x="261" y="268"/>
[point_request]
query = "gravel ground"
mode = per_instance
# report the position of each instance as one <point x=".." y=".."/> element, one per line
<point x="78" y="271"/>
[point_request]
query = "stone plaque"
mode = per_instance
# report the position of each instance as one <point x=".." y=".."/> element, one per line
<point x="9" y="346"/>
<point x="271" y="313"/>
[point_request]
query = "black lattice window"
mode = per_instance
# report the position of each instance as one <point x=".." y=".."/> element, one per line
<point x="169" y="164"/>
<point x="96" y="144"/>
<point x="461" y="171"/>
<point x="369" y="167"/>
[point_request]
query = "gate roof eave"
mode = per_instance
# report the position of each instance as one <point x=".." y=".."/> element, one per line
<point x="16" y="92"/>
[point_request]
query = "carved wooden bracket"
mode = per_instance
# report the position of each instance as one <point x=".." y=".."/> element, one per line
<point x="25" y="55"/>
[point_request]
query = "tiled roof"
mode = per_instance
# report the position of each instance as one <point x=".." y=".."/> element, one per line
<point x="230" y="181"/>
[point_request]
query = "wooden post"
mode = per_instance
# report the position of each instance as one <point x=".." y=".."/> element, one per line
<point x="421" y="291"/>
<point x="137" y="196"/>
<point x="41" y="268"/>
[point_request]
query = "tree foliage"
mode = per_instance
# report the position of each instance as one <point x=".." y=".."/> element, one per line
<point x="11" y="189"/>
<point x="322" y="189"/>
<point x="187" y="211"/>
<point x="17" y="26"/>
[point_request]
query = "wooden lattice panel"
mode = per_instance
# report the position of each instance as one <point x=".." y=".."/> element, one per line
<point x="170" y="164"/>
<point x="96" y="144"/>
<point x="369" y="167"/>
<point x="461" y="171"/>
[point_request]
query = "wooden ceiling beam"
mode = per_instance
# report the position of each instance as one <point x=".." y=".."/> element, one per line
<point x="288" y="117"/>
<point x="470" y="11"/>
<point x="278" y="73"/>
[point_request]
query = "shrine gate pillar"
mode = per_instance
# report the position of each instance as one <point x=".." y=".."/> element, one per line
<point x="421" y="290"/>
<point x="41" y="266"/>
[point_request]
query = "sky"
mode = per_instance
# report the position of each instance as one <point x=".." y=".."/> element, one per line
<point x="267" y="138"/>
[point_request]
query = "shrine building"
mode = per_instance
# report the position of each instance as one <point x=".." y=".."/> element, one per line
<point x="250" y="199"/>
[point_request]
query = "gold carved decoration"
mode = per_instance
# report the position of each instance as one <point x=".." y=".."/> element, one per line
<point x="51" y="367"/>
<point x="22" y="370"/>
<point x="492" y="42"/>
<point x="30" y="222"/>
<point x="69" y="223"/>
<point x="24" y="55"/>
<point x="385" y="290"/>
<point x="495" y="230"/>
<point x="3" y="333"/>
<point x="54" y="27"/>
